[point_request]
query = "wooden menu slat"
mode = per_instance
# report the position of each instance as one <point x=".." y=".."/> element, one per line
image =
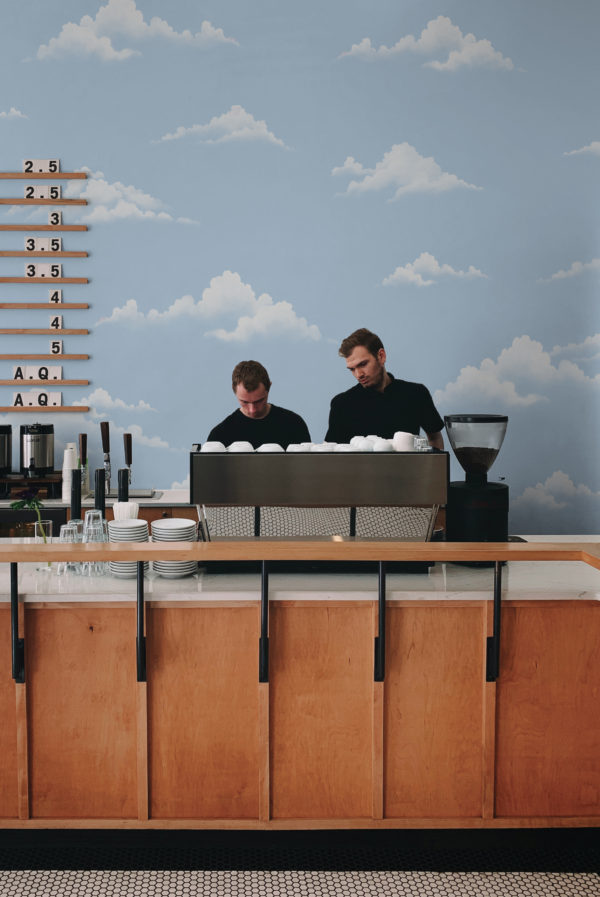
<point x="16" y="201"/>
<point x="47" y="383"/>
<point x="42" y="175"/>
<point x="42" y="254"/>
<point x="53" y="306"/>
<point x="41" y="409"/>
<point x="46" y="280"/>
<point x="43" y="227"/>
<point x="41" y="331"/>
<point x="19" y="357"/>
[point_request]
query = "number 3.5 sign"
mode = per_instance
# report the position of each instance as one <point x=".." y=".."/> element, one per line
<point x="43" y="270"/>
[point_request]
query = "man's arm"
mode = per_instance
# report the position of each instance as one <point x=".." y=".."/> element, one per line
<point x="436" y="440"/>
<point x="338" y="428"/>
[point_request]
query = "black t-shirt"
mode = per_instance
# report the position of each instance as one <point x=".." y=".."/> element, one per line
<point x="280" y="426"/>
<point x="362" y="411"/>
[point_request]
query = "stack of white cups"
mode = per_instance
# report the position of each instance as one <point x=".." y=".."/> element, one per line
<point x="69" y="465"/>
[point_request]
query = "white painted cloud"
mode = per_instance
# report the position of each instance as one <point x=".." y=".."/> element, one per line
<point x="588" y="350"/>
<point x="236" y="124"/>
<point x="575" y="270"/>
<point x="122" y="19"/>
<point x="524" y="361"/>
<point x="12" y="113"/>
<point x="185" y="484"/>
<point x="269" y="320"/>
<point x="116" y="201"/>
<point x="350" y="166"/>
<point x="404" y="171"/>
<point x="558" y="491"/>
<point x="425" y="271"/>
<point x="592" y="148"/>
<point x="101" y="399"/>
<point x="439" y="37"/>
<point x="139" y="437"/>
<point x="227" y="296"/>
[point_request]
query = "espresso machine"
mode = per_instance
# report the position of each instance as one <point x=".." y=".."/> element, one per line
<point x="477" y="511"/>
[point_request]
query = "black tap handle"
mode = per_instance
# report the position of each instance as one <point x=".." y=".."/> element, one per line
<point x="100" y="490"/>
<point x="76" y="494"/>
<point x="127" y="446"/>
<point x="104" y="432"/>
<point x="123" y="475"/>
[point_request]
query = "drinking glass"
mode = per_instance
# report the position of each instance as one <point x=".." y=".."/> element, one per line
<point x="94" y="532"/>
<point x="42" y="532"/>
<point x="67" y="536"/>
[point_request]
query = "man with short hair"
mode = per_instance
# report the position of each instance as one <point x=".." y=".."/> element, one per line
<point x="379" y="404"/>
<point x="256" y="420"/>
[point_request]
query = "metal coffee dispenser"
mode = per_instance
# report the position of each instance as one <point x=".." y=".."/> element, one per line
<point x="37" y="449"/>
<point x="477" y="511"/>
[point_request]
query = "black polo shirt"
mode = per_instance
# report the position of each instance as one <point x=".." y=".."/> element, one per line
<point x="362" y="411"/>
<point x="280" y="426"/>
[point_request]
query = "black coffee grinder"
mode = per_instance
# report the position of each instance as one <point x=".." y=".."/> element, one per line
<point x="477" y="511"/>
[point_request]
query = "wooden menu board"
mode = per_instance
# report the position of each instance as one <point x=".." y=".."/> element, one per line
<point x="41" y="189"/>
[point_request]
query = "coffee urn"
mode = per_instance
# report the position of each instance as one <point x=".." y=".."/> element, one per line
<point x="477" y="511"/>
<point x="5" y="449"/>
<point x="37" y="449"/>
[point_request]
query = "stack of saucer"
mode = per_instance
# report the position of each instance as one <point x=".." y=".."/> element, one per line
<point x="174" y="529"/>
<point x="127" y="531"/>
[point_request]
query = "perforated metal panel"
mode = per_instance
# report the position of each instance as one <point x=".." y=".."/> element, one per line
<point x="281" y="522"/>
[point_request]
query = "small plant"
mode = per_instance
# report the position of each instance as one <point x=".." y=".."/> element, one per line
<point x="28" y="498"/>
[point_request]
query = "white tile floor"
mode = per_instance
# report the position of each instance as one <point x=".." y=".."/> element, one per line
<point x="98" y="883"/>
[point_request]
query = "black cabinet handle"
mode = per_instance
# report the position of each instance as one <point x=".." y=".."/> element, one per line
<point x="492" y="668"/>
<point x="140" y="641"/>
<point x="18" y="644"/>
<point x="380" y="637"/>
<point x="263" y="643"/>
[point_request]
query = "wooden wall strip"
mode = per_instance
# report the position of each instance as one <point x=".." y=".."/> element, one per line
<point x="142" y="750"/>
<point x="264" y="753"/>
<point x="22" y="750"/>
<point x="489" y="724"/>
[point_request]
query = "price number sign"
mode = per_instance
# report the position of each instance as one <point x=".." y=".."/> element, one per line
<point x="35" y="372"/>
<point x="41" y="166"/>
<point x="56" y="322"/>
<point x="55" y="218"/>
<point x="56" y="347"/>
<point x="43" y="244"/>
<point x="36" y="399"/>
<point x="33" y="191"/>
<point x="55" y="296"/>
<point x="49" y="271"/>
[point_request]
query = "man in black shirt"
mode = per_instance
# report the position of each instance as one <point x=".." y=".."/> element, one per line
<point x="256" y="420"/>
<point x="379" y="404"/>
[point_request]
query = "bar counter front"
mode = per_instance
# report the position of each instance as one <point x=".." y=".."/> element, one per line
<point x="206" y="702"/>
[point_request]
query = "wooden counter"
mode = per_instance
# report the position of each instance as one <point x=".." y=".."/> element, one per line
<point x="204" y="744"/>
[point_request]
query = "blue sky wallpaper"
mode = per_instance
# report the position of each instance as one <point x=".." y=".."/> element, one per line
<point x="264" y="178"/>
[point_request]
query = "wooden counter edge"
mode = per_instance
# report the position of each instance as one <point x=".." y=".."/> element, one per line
<point x="329" y="549"/>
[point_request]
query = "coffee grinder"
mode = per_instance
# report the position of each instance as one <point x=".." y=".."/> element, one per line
<point x="477" y="511"/>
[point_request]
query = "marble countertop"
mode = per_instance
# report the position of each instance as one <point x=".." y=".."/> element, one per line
<point x="168" y="497"/>
<point x="524" y="580"/>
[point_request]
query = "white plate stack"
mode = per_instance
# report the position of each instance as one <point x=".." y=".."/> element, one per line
<point x="174" y="529"/>
<point x="127" y="531"/>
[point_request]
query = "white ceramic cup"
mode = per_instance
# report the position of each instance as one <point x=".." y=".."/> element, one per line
<point x="403" y="442"/>
<point x="241" y="447"/>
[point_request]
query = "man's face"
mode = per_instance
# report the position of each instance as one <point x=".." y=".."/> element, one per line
<point x="368" y="369"/>
<point x="253" y="404"/>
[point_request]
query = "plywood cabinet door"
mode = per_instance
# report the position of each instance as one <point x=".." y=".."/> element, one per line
<point x="548" y="711"/>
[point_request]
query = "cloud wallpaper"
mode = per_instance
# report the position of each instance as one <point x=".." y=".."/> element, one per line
<point x="265" y="178"/>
